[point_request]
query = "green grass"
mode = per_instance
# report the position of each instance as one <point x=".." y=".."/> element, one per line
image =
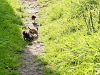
<point x="71" y="48"/>
<point x="11" y="42"/>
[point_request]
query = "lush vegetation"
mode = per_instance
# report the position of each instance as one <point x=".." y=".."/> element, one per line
<point x="11" y="42"/>
<point x="71" y="33"/>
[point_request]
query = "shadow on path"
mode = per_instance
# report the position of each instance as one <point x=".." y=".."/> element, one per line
<point x="30" y="66"/>
<point x="32" y="63"/>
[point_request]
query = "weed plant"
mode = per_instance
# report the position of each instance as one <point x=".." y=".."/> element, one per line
<point x="72" y="45"/>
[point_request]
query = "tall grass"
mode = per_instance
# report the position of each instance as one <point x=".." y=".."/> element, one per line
<point x="11" y="42"/>
<point x="70" y="48"/>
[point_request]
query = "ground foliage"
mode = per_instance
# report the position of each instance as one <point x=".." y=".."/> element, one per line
<point x="11" y="42"/>
<point x="71" y="33"/>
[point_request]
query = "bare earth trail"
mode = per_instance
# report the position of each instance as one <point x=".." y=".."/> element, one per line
<point x="30" y="66"/>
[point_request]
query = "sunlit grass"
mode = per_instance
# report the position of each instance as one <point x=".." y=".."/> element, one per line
<point x="69" y="49"/>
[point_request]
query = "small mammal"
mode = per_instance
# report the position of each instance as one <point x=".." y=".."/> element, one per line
<point x="33" y="18"/>
<point x="34" y="30"/>
<point x="26" y="35"/>
<point x="30" y="34"/>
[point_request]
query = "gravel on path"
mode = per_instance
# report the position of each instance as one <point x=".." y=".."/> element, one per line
<point x="30" y="66"/>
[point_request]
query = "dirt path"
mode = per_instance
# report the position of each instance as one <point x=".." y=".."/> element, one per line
<point x="30" y="66"/>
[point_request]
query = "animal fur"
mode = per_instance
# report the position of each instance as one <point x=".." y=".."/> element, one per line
<point x="33" y="30"/>
<point x="30" y="34"/>
<point x="33" y="17"/>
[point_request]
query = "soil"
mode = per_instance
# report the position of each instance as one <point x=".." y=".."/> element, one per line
<point x="30" y="66"/>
